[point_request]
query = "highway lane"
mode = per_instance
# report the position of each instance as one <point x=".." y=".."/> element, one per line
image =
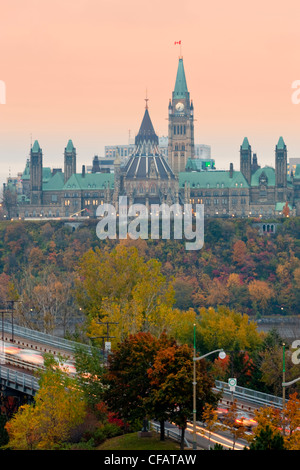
<point x="206" y="440"/>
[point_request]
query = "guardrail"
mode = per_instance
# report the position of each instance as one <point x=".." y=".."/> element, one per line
<point x="249" y="395"/>
<point x="174" y="433"/>
<point x="43" y="338"/>
<point x="18" y="381"/>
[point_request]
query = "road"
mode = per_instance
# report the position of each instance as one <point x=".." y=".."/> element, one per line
<point x="204" y="441"/>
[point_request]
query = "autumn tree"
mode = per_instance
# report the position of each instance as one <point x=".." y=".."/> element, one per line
<point x="23" y="430"/>
<point x="237" y="430"/>
<point x="126" y="382"/>
<point x="171" y="395"/>
<point x="121" y="287"/>
<point x="227" y="329"/>
<point x="210" y="419"/>
<point x="271" y="365"/>
<point x="9" y="202"/>
<point x="267" y="435"/>
<point x="261" y="293"/>
<point x="291" y="415"/>
<point x="58" y="408"/>
<point x="47" y="301"/>
<point x="5" y="286"/>
<point x="239" y="252"/>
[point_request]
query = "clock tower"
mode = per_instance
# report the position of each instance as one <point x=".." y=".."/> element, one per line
<point x="181" y="124"/>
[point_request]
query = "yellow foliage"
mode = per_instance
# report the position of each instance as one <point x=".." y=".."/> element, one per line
<point x="120" y="287"/>
<point x="58" y="408"/>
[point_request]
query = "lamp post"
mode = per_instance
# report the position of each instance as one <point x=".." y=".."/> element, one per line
<point x="222" y="355"/>
<point x="283" y="375"/>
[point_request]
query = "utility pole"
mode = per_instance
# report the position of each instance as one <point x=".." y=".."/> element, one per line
<point x="107" y="336"/>
<point x="12" y="302"/>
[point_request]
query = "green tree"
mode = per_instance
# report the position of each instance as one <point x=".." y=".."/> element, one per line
<point x="89" y="373"/>
<point x="267" y="439"/>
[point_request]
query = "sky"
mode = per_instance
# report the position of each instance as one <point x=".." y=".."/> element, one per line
<point x="81" y="69"/>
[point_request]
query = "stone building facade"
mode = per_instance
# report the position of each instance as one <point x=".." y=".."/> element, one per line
<point x="147" y="177"/>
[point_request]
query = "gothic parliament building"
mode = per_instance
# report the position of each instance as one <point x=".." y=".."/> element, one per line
<point x="147" y="176"/>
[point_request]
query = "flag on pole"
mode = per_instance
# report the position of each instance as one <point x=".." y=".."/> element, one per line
<point x="177" y="42"/>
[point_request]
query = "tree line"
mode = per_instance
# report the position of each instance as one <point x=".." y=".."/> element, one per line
<point x="148" y="373"/>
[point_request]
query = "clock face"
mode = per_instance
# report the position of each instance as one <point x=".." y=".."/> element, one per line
<point x="179" y="107"/>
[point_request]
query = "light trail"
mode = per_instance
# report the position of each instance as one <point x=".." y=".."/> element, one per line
<point x="204" y="433"/>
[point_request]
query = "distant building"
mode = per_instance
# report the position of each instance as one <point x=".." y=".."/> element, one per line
<point x="156" y="170"/>
<point x="292" y="164"/>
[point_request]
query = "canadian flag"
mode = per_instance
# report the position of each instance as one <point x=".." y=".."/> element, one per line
<point x="177" y="42"/>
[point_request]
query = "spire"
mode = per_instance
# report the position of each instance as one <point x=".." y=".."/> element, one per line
<point x="281" y="144"/>
<point x="181" y="89"/>
<point x="146" y="99"/>
<point x="70" y="147"/>
<point x="36" y="147"/>
<point x="146" y="131"/>
<point x="245" y="144"/>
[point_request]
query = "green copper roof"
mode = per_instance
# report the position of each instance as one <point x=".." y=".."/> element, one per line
<point x="199" y="164"/>
<point x="245" y="144"/>
<point x="280" y="205"/>
<point x="269" y="172"/>
<point x="180" y="89"/>
<point x="70" y="147"/>
<point x="55" y="183"/>
<point x="212" y="179"/>
<point x="47" y="174"/>
<point x="89" y="182"/>
<point x="26" y="172"/>
<point x="281" y="144"/>
<point x="36" y="147"/>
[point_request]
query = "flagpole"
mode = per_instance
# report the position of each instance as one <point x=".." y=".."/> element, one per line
<point x="180" y="52"/>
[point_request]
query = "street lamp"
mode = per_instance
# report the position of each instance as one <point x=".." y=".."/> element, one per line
<point x="287" y="384"/>
<point x="283" y="374"/>
<point x="222" y="355"/>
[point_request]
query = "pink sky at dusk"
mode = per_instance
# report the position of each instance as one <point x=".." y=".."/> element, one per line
<point x="80" y="69"/>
